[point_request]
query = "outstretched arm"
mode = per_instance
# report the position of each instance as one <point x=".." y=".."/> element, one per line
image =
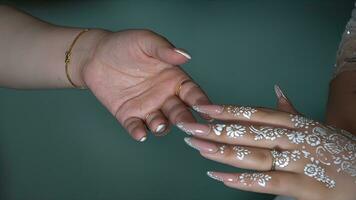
<point x="32" y="52"/>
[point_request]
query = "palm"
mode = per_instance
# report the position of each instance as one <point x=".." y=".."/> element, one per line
<point x="127" y="79"/>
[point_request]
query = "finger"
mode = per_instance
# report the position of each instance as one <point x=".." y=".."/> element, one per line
<point x="157" y="123"/>
<point x="256" y="116"/>
<point x="248" y="157"/>
<point x="171" y="55"/>
<point x="283" y="103"/>
<point x="160" y="48"/>
<point x="193" y="95"/>
<point x="278" y="183"/>
<point x="247" y="135"/>
<point x="176" y="111"/>
<point x="136" y="128"/>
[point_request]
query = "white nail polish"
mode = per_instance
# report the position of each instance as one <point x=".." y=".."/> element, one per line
<point x="143" y="139"/>
<point x="211" y="175"/>
<point x="279" y="92"/>
<point x="187" y="140"/>
<point x="160" y="128"/>
<point x="180" y="125"/>
<point x="185" y="54"/>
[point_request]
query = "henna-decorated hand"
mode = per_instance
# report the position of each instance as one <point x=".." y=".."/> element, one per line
<point x="293" y="156"/>
<point x="135" y="74"/>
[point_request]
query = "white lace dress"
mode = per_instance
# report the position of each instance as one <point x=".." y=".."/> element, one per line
<point x="345" y="57"/>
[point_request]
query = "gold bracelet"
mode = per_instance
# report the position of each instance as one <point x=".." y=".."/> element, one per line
<point x="67" y="60"/>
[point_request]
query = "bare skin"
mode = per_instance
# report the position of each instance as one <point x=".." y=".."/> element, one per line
<point x="341" y="109"/>
<point x="134" y="73"/>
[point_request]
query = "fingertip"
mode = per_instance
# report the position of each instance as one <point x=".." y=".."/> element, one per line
<point x="139" y="134"/>
<point x="183" y="53"/>
<point x="173" y="56"/>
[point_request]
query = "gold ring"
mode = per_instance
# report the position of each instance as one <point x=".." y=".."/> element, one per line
<point x="179" y="86"/>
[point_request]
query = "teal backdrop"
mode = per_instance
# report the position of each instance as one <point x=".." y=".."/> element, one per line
<point x="63" y="144"/>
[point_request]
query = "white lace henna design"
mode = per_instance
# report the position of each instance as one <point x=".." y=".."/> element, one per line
<point x="237" y="111"/>
<point x="222" y="149"/>
<point x="318" y="173"/>
<point x="249" y="179"/>
<point x="296" y="137"/>
<point x="268" y="133"/>
<point x="320" y="145"/>
<point x="240" y="152"/>
<point x="232" y="130"/>
<point x="282" y="159"/>
<point x="301" y="122"/>
<point x="235" y="130"/>
<point x="218" y="128"/>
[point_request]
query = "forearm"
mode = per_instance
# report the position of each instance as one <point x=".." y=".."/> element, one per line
<point x="341" y="109"/>
<point x="32" y="52"/>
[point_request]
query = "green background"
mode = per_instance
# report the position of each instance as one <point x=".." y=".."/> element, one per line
<point x="62" y="144"/>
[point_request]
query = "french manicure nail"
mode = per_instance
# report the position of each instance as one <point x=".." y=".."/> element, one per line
<point x="194" y="128"/>
<point x="223" y="177"/>
<point x="279" y="92"/>
<point x="184" y="53"/>
<point x="201" y="146"/>
<point x="208" y="109"/>
<point x="160" y="128"/>
<point x="143" y="139"/>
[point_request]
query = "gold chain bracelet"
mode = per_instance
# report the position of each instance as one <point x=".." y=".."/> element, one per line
<point x="68" y="57"/>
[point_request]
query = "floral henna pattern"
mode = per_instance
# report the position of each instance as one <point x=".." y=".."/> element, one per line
<point x="240" y="152"/>
<point x="222" y="149"/>
<point x="301" y="122"/>
<point x="282" y="159"/>
<point x="235" y="130"/>
<point x="321" y="146"/>
<point x="318" y="173"/>
<point x="237" y="111"/>
<point x="218" y="128"/>
<point x="296" y="137"/>
<point x="232" y="130"/>
<point x="249" y="179"/>
<point x="268" y="133"/>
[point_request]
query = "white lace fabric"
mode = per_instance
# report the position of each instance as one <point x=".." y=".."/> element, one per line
<point x="346" y="55"/>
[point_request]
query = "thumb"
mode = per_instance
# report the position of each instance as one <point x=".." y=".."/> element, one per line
<point x="283" y="103"/>
<point x="160" y="48"/>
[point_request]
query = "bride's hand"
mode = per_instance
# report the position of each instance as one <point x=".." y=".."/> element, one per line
<point x="292" y="155"/>
<point x="135" y="74"/>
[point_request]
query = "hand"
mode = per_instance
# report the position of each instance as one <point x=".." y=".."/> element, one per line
<point x="135" y="74"/>
<point x="298" y="157"/>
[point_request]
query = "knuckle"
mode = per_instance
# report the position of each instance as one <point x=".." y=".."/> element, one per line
<point x="264" y="157"/>
<point x="146" y="32"/>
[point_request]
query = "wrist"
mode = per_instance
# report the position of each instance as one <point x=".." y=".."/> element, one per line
<point x="83" y="52"/>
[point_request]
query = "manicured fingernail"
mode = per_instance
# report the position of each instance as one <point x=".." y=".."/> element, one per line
<point x="223" y="177"/>
<point x="184" y="53"/>
<point x="201" y="146"/>
<point x="160" y="128"/>
<point x="194" y="128"/>
<point x="209" y="109"/>
<point x="279" y="92"/>
<point x="143" y="139"/>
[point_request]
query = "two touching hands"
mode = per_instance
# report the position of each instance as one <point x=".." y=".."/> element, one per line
<point x="136" y="75"/>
